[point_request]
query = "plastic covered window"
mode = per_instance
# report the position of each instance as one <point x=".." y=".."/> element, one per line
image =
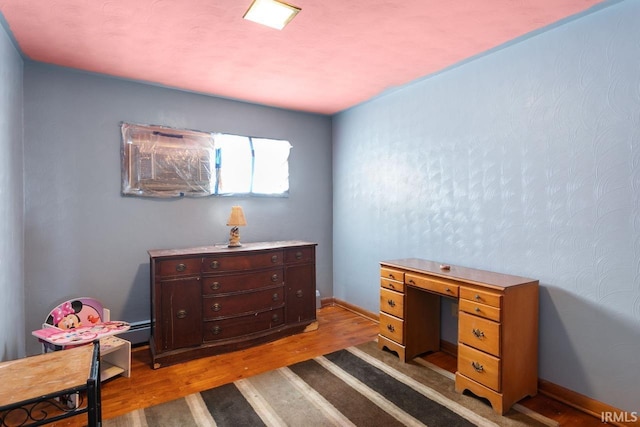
<point x="164" y="162"/>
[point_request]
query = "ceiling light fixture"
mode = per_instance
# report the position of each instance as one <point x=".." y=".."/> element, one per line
<point x="272" y="13"/>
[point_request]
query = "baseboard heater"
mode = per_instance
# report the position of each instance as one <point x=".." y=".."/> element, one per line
<point x="139" y="332"/>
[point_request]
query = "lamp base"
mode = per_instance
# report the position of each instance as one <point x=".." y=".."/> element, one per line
<point x="234" y="238"/>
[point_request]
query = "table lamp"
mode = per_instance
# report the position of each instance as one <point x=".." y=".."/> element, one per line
<point x="236" y="219"/>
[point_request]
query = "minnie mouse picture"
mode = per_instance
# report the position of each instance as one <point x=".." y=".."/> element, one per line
<point x="72" y="315"/>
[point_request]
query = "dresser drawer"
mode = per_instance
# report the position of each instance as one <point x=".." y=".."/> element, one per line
<point x="224" y="263"/>
<point x="244" y="325"/>
<point x="232" y="305"/>
<point x="481" y="310"/>
<point x="392" y="302"/>
<point x="392" y="328"/>
<point x="483" y="297"/>
<point x="392" y="273"/>
<point x="480" y="367"/>
<point x="296" y="255"/>
<point x="178" y="267"/>
<point x="479" y="333"/>
<point x="224" y="284"/>
<point x="440" y="286"/>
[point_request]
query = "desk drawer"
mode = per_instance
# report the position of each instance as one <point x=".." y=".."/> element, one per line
<point x="392" y="302"/>
<point x="440" y="286"/>
<point x="392" y="273"/>
<point x="479" y="333"/>
<point x="392" y="327"/>
<point x="392" y="284"/>
<point x="479" y="366"/>
<point x="478" y="309"/>
<point x="475" y="295"/>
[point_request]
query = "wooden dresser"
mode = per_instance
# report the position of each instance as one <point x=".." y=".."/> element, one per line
<point x="497" y="344"/>
<point x="214" y="299"/>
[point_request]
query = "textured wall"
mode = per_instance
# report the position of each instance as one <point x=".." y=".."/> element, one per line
<point x="523" y="161"/>
<point x="83" y="239"/>
<point x="11" y="206"/>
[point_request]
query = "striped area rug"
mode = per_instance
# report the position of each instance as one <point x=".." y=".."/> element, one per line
<point x="358" y="386"/>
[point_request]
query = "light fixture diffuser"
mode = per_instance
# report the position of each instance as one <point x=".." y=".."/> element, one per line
<point x="272" y="13"/>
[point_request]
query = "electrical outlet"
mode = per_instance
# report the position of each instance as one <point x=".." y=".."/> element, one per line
<point x="454" y="310"/>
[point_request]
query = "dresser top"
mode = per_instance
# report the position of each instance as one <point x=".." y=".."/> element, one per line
<point x="464" y="274"/>
<point x="223" y="248"/>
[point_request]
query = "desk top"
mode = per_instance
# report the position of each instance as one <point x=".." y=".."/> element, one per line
<point x="82" y="335"/>
<point x="36" y="376"/>
<point x="464" y="274"/>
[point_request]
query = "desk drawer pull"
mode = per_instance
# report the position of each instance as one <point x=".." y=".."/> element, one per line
<point x="214" y="264"/>
<point x="478" y="333"/>
<point x="448" y="290"/>
<point x="412" y="282"/>
<point x="477" y="297"/>
<point x="181" y="267"/>
<point x="216" y="307"/>
<point x="477" y="366"/>
<point x="391" y="303"/>
<point x="181" y="314"/>
<point x="215" y="286"/>
<point x="391" y="328"/>
<point x="216" y="330"/>
<point x="391" y="276"/>
<point x="298" y="255"/>
<point x="274" y="258"/>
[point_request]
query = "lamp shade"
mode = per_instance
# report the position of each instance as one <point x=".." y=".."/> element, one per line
<point x="236" y="218"/>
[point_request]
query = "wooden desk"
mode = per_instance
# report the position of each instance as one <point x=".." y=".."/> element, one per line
<point x="29" y="382"/>
<point x="497" y="344"/>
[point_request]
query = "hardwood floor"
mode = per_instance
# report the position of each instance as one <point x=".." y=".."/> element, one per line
<point x="338" y="328"/>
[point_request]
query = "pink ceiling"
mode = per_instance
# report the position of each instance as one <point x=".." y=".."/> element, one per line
<point x="333" y="55"/>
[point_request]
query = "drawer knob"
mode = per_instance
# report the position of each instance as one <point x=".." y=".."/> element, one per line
<point x="299" y="293"/>
<point x="477" y="309"/>
<point x="216" y="330"/>
<point x="391" y="285"/>
<point x="275" y="297"/>
<point x="298" y="255"/>
<point x="477" y="366"/>
<point x="181" y="314"/>
<point x="448" y="290"/>
<point x="274" y="278"/>
<point x="274" y="259"/>
<point x="215" y="286"/>
<point x="391" y="276"/>
<point x="412" y="282"/>
<point x="181" y="267"/>
<point x="214" y="264"/>
<point x="478" y="333"/>
<point x="216" y="307"/>
<point x="275" y="318"/>
<point x="391" y="303"/>
<point x="391" y="328"/>
<point x="478" y="297"/>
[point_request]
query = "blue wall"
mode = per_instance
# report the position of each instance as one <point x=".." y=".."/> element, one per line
<point x="82" y="238"/>
<point x="523" y="161"/>
<point x="11" y="200"/>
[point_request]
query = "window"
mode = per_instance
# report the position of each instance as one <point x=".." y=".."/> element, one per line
<point x="164" y="162"/>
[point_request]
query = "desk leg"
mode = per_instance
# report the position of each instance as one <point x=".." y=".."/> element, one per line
<point x="422" y="322"/>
